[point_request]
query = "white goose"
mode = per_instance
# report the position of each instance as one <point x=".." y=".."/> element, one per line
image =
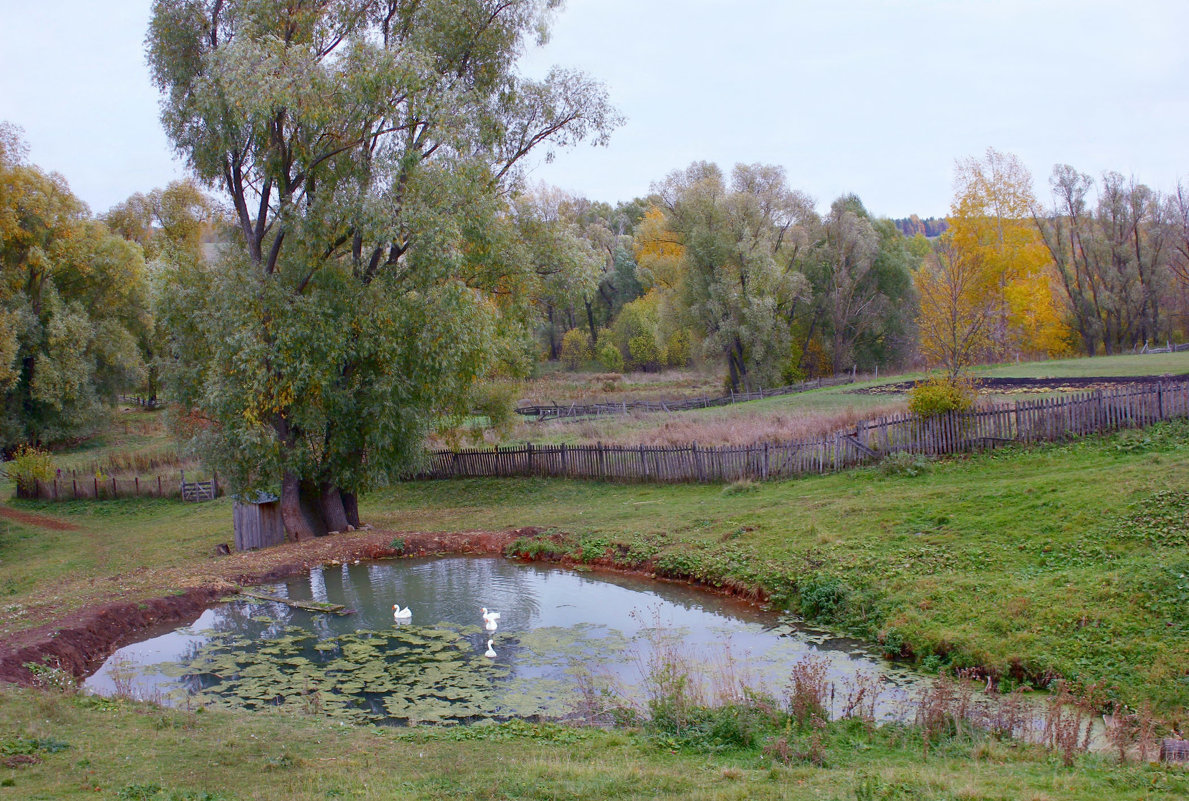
<point x="489" y="617"/>
<point x="490" y="652"/>
<point x="401" y="614"/>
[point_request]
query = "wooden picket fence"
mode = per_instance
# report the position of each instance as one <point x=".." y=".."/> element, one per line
<point x="988" y="426"/>
<point x="559" y="411"/>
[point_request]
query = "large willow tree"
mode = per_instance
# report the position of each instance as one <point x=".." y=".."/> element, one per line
<point x="364" y="147"/>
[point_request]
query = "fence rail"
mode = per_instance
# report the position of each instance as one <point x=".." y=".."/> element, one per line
<point x="559" y="411"/>
<point x="73" y="487"/>
<point x="988" y="426"/>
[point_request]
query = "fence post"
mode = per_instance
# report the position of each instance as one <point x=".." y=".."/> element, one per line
<point x="765" y="472"/>
<point x="214" y="485"/>
<point x="183" y="487"/>
<point x="529" y="451"/>
<point x="1160" y="400"/>
<point x="602" y="464"/>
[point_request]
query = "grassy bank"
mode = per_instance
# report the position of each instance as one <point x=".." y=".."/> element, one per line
<point x="85" y="747"/>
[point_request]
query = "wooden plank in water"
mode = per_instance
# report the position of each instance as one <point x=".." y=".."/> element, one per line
<point x="309" y="606"/>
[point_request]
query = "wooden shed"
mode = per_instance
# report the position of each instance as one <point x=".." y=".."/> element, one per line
<point x="258" y="522"/>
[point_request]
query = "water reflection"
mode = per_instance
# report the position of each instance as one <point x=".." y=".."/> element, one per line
<point x="554" y="625"/>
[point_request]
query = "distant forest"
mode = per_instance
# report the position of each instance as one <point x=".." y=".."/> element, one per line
<point x="911" y="226"/>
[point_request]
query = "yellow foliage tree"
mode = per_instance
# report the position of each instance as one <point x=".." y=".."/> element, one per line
<point x="957" y="314"/>
<point x="991" y="225"/>
<point x="660" y="256"/>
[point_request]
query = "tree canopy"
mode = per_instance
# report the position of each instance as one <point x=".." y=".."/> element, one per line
<point x="365" y="148"/>
<point x="73" y="305"/>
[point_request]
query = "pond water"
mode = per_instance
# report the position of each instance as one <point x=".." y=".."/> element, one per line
<point x="564" y="638"/>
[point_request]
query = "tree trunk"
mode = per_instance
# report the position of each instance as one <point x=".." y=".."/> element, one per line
<point x="330" y="503"/>
<point x="311" y="505"/>
<point x="590" y="321"/>
<point x="351" y="507"/>
<point x="298" y="525"/>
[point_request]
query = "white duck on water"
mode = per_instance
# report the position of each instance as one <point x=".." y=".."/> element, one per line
<point x="401" y="614"/>
<point x="490" y="652"/>
<point x="490" y="619"/>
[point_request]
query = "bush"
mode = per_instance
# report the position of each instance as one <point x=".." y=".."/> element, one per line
<point x="576" y="348"/>
<point x="610" y="357"/>
<point x="645" y="355"/>
<point x="495" y="400"/>
<point x="28" y="466"/>
<point x="679" y="348"/>
<point x="942" y="395"/>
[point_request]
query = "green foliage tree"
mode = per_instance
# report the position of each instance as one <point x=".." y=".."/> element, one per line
<point x="73" y="301"/>
<point x="733" y="257"/>
<point x="365" y="147"/>
<point x="863" y="302"/>
<point x="576" y="348"/>
<point x="175" y="227"/>
<point x="610" y="358"/>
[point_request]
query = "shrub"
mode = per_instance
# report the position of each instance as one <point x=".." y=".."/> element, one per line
<point x="29" y="465"/>
<point x="495" y="400"/>
<point x="678" y="348"/>
<point x="610" y="358"/>
<point x="645" y="355"/>
<point x="942" y="395"/>
<point x="823" y="598"/>
<point x="576" y="348"/>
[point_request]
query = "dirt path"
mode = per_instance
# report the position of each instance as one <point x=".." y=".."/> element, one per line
<point x="41" y="521"/>
<point x="78" y="640"/>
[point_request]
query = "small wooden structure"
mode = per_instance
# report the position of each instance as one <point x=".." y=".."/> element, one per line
<point x="258" y="522"/>
<point x="1174" y="750"/>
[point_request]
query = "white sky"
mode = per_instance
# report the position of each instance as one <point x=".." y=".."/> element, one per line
<point x="876" y="98"/>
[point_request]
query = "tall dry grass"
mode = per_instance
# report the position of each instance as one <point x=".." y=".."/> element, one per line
<point x="729" y="426"/>
<point x="562" y="388"/>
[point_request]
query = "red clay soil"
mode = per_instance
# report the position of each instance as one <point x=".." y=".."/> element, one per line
<point x="41" y="521"/>
<point x="86" y="637"/>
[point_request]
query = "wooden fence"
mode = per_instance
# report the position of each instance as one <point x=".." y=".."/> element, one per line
<point x="72" y="487"/>
<point x="558" y="411"/>
<point x="139" y="400"/>
<point x="987" y="427"/>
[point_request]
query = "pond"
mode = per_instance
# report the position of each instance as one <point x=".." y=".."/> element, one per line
<point x="563" y="638"/>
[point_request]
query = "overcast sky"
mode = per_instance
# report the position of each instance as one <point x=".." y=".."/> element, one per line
<point x="875" y="98"/>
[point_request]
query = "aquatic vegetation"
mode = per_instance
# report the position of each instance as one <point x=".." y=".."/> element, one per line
<point x="403" y="675"/>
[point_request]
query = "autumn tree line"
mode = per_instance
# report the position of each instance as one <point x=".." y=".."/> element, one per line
<point x="358" y="249"/>
<point x="742" y="272"/>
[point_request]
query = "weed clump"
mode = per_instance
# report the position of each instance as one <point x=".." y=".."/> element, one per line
<point x="903" y="463"/>
<point x="740" y="487"/>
